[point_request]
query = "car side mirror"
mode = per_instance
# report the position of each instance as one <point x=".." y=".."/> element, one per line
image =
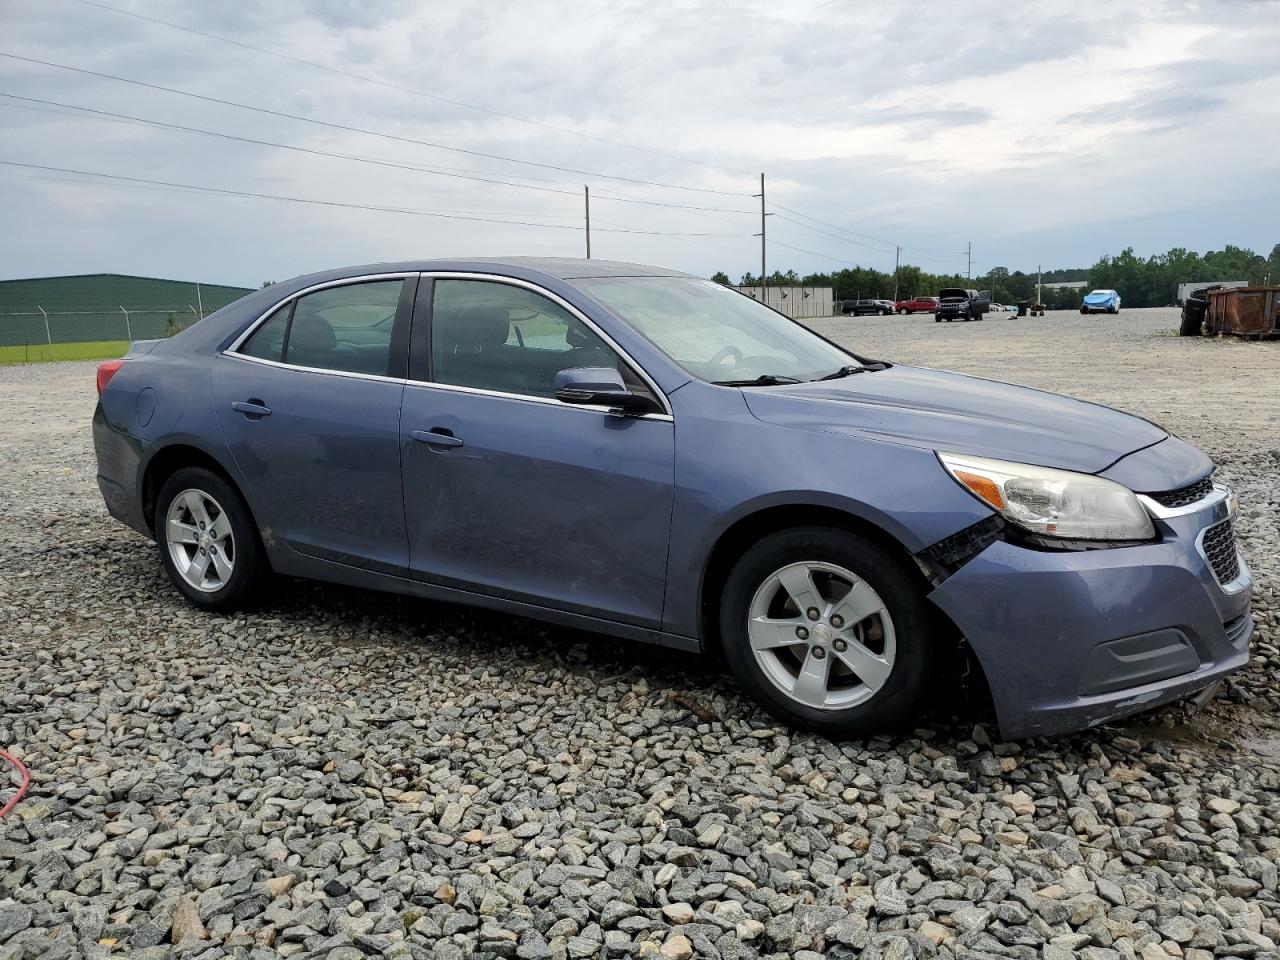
<point x="601" y="386"/>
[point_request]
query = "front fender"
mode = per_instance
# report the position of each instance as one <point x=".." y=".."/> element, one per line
<point x="730" y="466"/>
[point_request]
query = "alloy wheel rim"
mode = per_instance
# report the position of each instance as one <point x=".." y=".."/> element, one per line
<point x="201" y="544"/>
<point x="822" y="635"/>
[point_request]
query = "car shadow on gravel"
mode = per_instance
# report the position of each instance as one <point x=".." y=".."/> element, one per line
<point x="318" y="619"/>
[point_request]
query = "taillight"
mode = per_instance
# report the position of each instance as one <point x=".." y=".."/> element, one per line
<point x="105" y="372"/>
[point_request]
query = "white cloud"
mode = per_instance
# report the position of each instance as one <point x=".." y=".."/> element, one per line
<point x="1052" y="133"/>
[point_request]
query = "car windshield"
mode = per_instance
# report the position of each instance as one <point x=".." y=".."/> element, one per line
<point x="715" y="333"/>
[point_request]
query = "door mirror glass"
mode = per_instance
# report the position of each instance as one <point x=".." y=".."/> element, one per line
<point x="602" y="386"/>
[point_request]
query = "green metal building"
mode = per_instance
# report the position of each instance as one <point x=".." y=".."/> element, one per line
<point x="104" y="307"/>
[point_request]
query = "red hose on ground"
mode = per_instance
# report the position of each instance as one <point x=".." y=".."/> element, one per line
<point x="23" y="774"/>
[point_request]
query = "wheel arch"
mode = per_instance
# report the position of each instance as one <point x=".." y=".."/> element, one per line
<point x="172" y="457"/>
<point x="775" y="518"/>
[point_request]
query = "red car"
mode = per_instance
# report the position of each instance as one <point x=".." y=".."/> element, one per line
<point x="916" y="305"/>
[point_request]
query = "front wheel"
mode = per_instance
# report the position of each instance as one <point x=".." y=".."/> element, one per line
<point x="903" y="312"/>
<point x="208" y="545"/>
<point x="828" y="631"/>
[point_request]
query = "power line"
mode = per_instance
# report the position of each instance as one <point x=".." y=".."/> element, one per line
<point x="400" y="87"/>
<point x="336" y="203"/>
<point x="891" y="243"/>
<point x="856" y="243"/>
<point x="377" y="161"/>
<point x="350" y="129"/>
<point x="812" y="253"/>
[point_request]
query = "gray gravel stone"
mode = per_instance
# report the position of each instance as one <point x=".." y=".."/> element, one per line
<point x="340" y="774"/>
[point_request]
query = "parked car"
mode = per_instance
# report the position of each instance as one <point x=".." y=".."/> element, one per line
<point x="645" y="454"/>
<point x="1101" y="301"/>
<point x="955" y="303"/>
<point x="861" y="308"/>
<point x="916" y="305"/>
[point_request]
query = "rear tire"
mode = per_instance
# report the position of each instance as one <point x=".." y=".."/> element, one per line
<point x="208" y="541"/>
<point x="903" y="312"/>
<point x="868" y="671"/>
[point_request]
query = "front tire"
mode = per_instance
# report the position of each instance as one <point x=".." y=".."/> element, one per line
<point x="903" y="312"/>
<point x="828" y="631"/>
<point x="208" y="543"/>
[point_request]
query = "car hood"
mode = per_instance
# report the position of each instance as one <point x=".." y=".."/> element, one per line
<point x="962" y="414"/>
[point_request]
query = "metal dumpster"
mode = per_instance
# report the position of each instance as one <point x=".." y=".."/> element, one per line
<point x="1245" y="311"/>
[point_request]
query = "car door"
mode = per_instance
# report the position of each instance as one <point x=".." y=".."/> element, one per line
<point x="508" y="491"/>
<point x="308" y="401"/>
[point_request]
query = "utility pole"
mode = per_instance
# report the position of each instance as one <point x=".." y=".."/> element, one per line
<point x="897" y="257"/>
<point x="586" y="197"/>
<point x="968" y="270"/>
<point x="764" y="295"/>
<point x="1039" y="277"/>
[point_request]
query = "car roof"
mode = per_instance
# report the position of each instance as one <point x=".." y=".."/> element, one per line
<point x="561" y="268"/>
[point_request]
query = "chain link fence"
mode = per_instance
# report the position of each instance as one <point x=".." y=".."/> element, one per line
<point x="46" y="328"/>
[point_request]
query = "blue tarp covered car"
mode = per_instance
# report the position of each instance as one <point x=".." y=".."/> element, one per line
<point x="1101" y="301"/>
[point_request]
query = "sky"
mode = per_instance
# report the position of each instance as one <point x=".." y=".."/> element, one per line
<point x="1049" y="133"/>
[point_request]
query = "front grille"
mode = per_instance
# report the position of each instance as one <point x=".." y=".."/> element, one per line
<point x="1220" y="550"/>
<point x="1184" y="495"/>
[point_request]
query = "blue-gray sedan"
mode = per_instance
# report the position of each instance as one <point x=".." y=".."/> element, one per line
<point x="642" y="453"/>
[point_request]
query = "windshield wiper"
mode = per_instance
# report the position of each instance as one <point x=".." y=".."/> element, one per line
<point x="849" y="371"/>
<point x="764" y="380"/>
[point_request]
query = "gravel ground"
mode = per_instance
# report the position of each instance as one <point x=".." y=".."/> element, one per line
<point x="342" y="774"/>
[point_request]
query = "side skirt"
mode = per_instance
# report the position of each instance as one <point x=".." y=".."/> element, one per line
<point x="313" y="568"/>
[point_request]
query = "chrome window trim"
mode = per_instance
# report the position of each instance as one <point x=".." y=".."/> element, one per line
<point x="350" y="374"/>
<point x="1160" y="511"/>
<point x="232" y="350"/>
<point x="573" y="311"/>
<point x="527" y="398"/>
<point x="249" y="331"/>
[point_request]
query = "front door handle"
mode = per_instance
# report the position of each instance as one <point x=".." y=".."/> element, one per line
<point x="253" y="409"/>
<point x="439" y="437"/>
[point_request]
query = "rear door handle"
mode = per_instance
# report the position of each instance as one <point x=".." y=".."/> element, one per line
<point x="251" y="408"/>
<point x="437" y="438"/>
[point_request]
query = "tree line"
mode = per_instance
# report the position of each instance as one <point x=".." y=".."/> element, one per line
<point x="1142" y="282"/>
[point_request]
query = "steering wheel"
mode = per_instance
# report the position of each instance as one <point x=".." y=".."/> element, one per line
<point x="723" y="354"/>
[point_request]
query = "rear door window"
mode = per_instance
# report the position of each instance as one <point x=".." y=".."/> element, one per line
<point x="347" y="329"/>
<point x="267" y="342"/>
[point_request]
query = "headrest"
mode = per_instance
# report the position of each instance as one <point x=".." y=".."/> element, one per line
<point x="310" y="332"/>
<point x="481" y="325"/>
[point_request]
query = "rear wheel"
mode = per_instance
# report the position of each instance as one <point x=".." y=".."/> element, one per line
<point x="903" y="312"/>
<point x="208" y="545"/>
<point x="828" y="632"/>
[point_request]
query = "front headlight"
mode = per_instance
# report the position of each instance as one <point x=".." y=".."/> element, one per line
<point x="1053" y="503"/>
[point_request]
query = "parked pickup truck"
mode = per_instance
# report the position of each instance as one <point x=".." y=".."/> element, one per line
<point x="957" y="304"/>
<point x="916" y="305"/>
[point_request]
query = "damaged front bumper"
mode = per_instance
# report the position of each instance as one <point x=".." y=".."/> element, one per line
<point x="1069" y="639"/>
